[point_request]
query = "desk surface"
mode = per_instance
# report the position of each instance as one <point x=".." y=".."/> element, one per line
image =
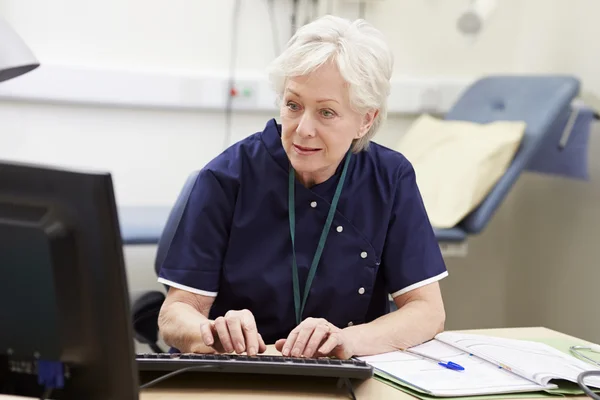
<point x="216" y="386"/>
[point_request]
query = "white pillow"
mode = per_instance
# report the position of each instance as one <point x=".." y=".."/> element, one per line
<point x="458" y="162"/>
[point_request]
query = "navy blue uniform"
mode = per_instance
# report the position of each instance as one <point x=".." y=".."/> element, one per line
<point x="234" y="243"/>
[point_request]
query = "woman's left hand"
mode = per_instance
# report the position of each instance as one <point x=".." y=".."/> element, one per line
<point x="315" y="337"/>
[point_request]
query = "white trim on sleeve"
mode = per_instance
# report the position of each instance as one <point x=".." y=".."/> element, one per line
<point x="419" y="284"/>
<point x="187" y="288"/>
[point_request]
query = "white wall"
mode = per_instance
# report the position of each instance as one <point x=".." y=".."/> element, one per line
<point x="150" y="151"/>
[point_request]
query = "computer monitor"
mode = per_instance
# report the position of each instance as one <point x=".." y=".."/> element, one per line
<point x="64" y="302"/>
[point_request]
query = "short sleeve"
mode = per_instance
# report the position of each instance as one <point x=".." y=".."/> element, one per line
<point x="195" y="256"/>
<point x="411" y="257"/>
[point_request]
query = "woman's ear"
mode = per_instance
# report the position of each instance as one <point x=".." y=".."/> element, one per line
<point x="367" y="122"/>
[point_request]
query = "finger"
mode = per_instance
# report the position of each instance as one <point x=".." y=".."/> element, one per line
<point x="223" y="332"/>
<point x="250" y="333"/>
<point x="289" y="342"/>
<point x="218" y="345"/>
<point x="262" y="347"/>
<point x="319" y="334"/>
<point x="330" y="344"/>
<point x="206" y="332"/>
<point x="302" y="340"/>
<point x="238" y="341"/>
<point x="279" y="344"/>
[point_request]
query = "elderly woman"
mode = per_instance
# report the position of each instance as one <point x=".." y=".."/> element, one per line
<point x="298" y="234"/>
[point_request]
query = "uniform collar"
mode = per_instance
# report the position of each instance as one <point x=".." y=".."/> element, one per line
<point x="271" y="137"/>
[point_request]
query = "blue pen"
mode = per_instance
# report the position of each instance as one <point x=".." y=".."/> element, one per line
<point x="446" y="364"/>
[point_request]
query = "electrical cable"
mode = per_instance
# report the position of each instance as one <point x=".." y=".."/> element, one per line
<point x="307" y="12"/>
<point x="176" y="372"/>
<point x="47" y="393"/>
<point x="584" y="387"/>
<point x="232" y="64"/>
<point x="294" y="16"/>
<point x="362" y="7"/>
<point x="350" y="388"/>
<point x="346" y="383"/>
<point x="274" y="30"/>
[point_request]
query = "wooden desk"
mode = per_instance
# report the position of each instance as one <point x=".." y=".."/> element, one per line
<point x="217" y="386"/>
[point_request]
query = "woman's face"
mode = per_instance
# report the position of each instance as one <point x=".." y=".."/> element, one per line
<point x="318" y="123"/>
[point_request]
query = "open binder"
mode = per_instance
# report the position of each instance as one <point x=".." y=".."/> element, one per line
<point x="491" y="366"/>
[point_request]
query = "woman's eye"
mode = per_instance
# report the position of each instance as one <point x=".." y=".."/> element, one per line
<point x="327" y="113"/>
<point x="292" y="106"/>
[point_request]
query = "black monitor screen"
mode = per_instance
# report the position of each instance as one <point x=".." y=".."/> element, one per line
<point x="63" y="295"/>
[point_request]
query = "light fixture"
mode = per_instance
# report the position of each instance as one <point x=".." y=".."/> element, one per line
<point x="471" y="21"/>
<point x="15" y="57"/>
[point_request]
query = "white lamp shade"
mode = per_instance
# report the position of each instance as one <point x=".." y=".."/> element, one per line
<point x="15" y="57"/>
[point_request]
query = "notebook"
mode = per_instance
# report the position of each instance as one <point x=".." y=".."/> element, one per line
<point x="491" y="366"/>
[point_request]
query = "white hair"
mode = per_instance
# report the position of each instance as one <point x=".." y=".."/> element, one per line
<point x="361" y="54"/>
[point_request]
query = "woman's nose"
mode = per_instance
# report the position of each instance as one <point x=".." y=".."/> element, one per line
<point x="306" y="126"/>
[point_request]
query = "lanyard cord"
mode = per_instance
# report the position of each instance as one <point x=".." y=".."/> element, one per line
<point x="299" y="308"/>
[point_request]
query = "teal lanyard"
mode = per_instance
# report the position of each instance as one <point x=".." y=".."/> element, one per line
<point x="313" y="268"/>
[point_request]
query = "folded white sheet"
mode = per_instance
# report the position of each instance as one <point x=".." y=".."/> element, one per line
<point x="458" y="162"/>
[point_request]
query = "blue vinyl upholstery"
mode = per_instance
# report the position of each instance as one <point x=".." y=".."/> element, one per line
<point x="451" y="235"/>
<point x="142" y="224"/>
<point x="543" y="102"/>
<point x="173" y="220"/>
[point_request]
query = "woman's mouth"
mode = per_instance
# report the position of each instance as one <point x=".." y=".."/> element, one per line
<point x="305" y="151"/>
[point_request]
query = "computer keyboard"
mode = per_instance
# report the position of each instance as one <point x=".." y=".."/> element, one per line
<point x="260" y="364"/>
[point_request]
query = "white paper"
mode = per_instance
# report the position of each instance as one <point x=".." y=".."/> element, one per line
<point x="535" y="361"/>
<point x="478" y="377"/>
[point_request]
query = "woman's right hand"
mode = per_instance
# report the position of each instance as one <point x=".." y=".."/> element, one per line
<point x="235" y="332"/>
